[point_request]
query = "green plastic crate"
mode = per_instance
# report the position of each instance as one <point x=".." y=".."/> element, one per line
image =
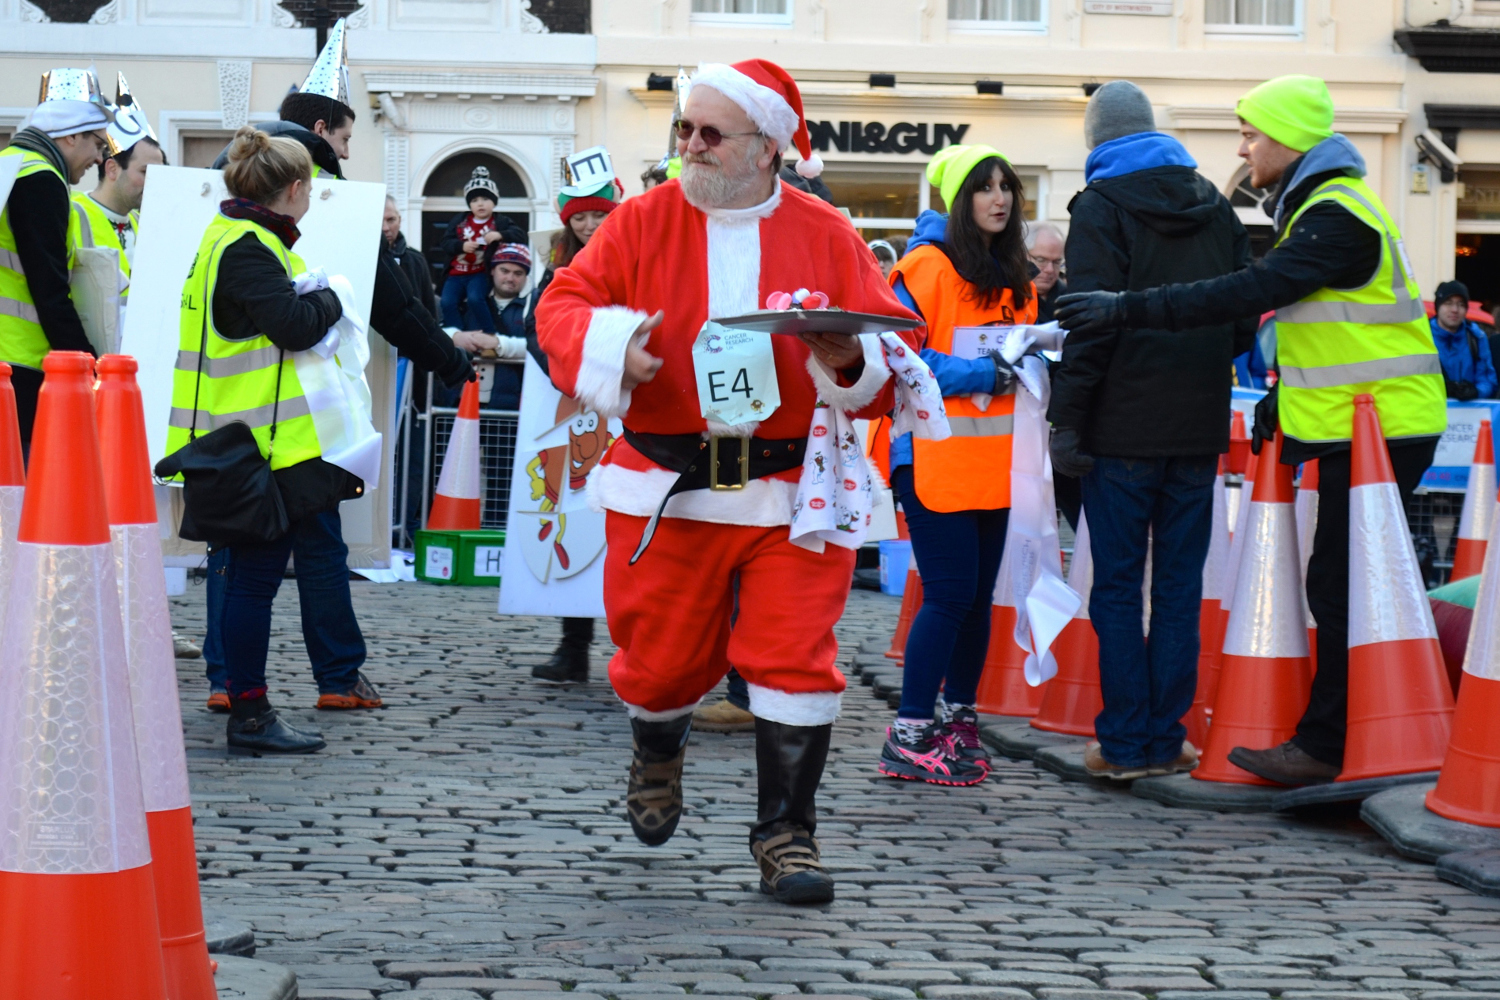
<point x="467" y="558"/>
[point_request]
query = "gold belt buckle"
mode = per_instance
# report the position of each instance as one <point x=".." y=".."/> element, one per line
<point x="713" y="465"/>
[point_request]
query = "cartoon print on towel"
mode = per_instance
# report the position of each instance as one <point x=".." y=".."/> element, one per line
<point x="567" y="536"/>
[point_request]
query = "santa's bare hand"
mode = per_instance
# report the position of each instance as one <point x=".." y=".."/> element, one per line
<point x="836" y="350"/>
<point x="640" y="365"/>
<point x="475" y="341"/>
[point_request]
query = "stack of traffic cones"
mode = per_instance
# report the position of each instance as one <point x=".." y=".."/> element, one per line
<point x="1400" y="700"/>
<point x="1072" y="699"/>
<point x="1002" y="687"/>
<point x="456" y="505"/>
<point x="1239" y="517"/>
<point x="1307" y="529"/>
<point x="12" y="481"/>
<point x="78" y="914"/>
<point x="1475" y="523"/>
<point x="153" y="678"/>
<point x="1266" y="674"/>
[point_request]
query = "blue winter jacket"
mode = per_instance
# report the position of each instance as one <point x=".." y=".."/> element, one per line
<point x="1457" y="350"/>
<point x="955" y="376"/>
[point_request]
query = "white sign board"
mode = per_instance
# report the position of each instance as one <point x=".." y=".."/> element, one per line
<point x="554" y="544"/>
<point x="339" y="234"/>
<point x="1150" y="8"/>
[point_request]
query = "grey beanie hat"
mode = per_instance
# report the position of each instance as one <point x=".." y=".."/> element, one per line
<point x="1119" y="108"/>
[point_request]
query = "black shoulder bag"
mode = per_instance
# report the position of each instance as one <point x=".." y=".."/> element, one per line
<point x="230" y="494"/>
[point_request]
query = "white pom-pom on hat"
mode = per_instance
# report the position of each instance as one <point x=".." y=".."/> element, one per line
<point x="810" y="166"/>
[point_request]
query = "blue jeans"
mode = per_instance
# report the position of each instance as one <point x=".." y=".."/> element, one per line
<point x="474" y="290"/>
<point x="1148" y="683"/>
<point x="958" y="556"/>
<point x="242" y="582"/>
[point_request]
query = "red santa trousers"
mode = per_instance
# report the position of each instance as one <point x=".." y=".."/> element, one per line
<point x="669" y="614"/>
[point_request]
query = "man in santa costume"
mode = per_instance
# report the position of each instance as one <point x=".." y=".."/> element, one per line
<point x="701" y="489"/>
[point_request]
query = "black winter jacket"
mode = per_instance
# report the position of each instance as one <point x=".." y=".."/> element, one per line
<point x="453" y="244"/>
<point x="323" y="156"/>
<point x="417" y="271"/>
<point x="1147" y="392"/>
<point x="253" y="295"/>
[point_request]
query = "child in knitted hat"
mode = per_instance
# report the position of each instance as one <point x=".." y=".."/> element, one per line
<point x="465" y="243"/>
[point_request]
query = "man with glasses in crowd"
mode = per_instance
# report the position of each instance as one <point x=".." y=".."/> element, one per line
<point x="1044" y="245"/>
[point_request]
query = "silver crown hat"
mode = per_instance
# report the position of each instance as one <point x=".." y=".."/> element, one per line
<point x="330" y="74"/>
<point x="131" y="124"/>
<point x="67" y="84"/>
<point x="70" y="101"/>
<point x="586" y="171"/>
<point x="480" y="180"/>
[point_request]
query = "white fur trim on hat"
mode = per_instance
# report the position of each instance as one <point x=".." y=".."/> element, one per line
<point x="810" y="167"/>
<point x="767" y="108"/>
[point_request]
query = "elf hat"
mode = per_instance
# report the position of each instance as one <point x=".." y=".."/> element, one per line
<point x="769" y="95"/>
<point x="1296" y="111"/>
<point x="590" y="183"/>
<point x="947" y="170"/>
<point x="480" y="183"/>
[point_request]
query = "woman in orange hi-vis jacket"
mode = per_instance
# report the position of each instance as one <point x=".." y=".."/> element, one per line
<point x="965" y="269"/>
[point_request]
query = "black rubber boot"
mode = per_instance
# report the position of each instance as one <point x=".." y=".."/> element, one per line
<point x="569" y="664"/>
<point x="254" y="728"/>
<point x="790" y="762"/>
<point x="653" y="798"/>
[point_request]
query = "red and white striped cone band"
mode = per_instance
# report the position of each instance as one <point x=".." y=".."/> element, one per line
<point x="70" y="785"/>
<point x="1483" y="656"/>
<point x="153" y="671"/>
<point x="1237" y="545"/>
<point x="1216" y="565"/>
<point x="461" y="477"/>
<point x="1307" y="528"/>
<point x="1081" y="568"/>
<point x="11" y="498"/>
<point x="1266" y="620"/>
<point x="1476" y="521"/>
<point x="1387" y="598"/>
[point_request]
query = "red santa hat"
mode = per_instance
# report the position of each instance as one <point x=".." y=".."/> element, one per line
<point x="769" y="95"/>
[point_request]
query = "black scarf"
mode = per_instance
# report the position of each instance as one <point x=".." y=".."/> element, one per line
<point x="282" y="225"/>
<point x="37" y="141"/>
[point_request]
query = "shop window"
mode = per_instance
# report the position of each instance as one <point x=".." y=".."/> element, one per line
<point x="743" y="11"/>
<point x="1479" y="195"/>
<point x="1254" y="17"/>
<point x="1025" y="15"/>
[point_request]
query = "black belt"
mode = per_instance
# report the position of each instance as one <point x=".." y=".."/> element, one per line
<point x="698" y="461"/>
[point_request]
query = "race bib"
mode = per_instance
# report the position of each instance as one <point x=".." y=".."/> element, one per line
<point x="736" y="372"/>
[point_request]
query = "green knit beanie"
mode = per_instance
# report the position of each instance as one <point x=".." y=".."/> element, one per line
<point x="951" y="166"/>
<point x="1296" y="111"/>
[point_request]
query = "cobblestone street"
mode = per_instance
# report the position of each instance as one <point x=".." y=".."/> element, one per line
<point x="468" y="840"/>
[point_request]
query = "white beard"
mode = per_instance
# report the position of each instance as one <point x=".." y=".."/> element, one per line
<point x="708" y="186"/>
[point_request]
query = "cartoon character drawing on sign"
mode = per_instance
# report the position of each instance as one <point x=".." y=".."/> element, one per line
<point x="557" y="475"/>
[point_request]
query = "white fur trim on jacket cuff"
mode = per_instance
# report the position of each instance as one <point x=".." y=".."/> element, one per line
<point x="646" y="715"/>
<point x="598" y="385"/>
<point x="852" y="398"/>
<point x="816" y="709"/>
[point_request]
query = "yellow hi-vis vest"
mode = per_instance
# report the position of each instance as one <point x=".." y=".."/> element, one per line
<point x="239" y="377"/>
<point x="1338" y="343"/>
<point x="22" y="341"/>
<point x="95" y="229"/>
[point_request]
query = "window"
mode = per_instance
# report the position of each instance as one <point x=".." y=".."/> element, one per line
<point x="1012" y="15"/>
<point x="743" y="11"/>
<point x="1255" y="17"/>
<point x="1479" y="195"/>
<point x="202" y="149"/>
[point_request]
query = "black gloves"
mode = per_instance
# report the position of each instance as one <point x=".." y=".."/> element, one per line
<point x="1091" y="312"/>
<point x="1005" y="374"/>
<point x="457" y="371"/>
<point x="1265" y="420"/>
<point x="1461" y="391"/>
<point x="1066" y="458"/>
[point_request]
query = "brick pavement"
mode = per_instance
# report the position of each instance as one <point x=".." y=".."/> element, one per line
<point x="468" y="841"/>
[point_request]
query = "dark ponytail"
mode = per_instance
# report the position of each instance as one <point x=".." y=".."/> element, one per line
<point x="1001" y="264"/>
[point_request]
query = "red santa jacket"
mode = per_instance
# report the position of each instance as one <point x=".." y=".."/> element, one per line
<point x="653" y="253"/>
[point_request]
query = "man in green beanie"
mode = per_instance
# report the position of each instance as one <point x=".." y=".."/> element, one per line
<point x="1349" y="320"/>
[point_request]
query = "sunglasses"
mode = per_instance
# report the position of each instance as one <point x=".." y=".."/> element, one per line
<point x="711" y="135"/>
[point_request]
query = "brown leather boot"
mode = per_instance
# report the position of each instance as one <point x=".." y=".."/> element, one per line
<point x="1287" y="764"/>
<point x="653" y="797"/>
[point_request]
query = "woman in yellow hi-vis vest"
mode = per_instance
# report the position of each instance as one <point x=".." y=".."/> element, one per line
<point x="1349" y="320"/>
<point x="965" y="269"/>
<point x="241" y="320"/>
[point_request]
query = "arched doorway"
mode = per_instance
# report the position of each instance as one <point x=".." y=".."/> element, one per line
<point x="443" y="199"/>
<point x="1254" y="209"/>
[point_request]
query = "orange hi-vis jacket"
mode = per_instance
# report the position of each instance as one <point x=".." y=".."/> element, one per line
<point x="971" y="469"/>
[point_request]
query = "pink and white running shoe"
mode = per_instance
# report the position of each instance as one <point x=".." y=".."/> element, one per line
<point x="930" y="758"/>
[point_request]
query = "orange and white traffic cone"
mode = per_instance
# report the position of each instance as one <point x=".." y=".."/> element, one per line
<point x="1468" y="789"/>
<point x="456" y="505"/>
<point x="1212" y="616"/>
<point x="1400" y="699"/>
<point x="77" y="899"/>
<point x="1073" y="698"/>
<point x="1476" y="521"/>
<point x="911" y="599"/>
<point x="12" y="481"/>
<point x="1307" y="530"/>
<point x="1002" y="687"/>
<point x="1239" y="511"/>
<point x="1266" y="676"/>
<point x="153" y="678"/>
